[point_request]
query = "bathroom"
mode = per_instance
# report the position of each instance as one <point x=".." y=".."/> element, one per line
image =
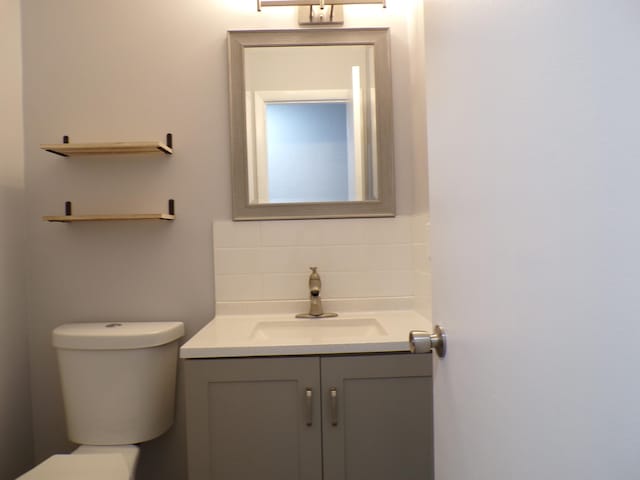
<point x="127" y="70"/>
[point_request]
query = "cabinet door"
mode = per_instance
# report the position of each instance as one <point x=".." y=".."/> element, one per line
<point x="379" y="423"/>
<point x="251" y="418"/>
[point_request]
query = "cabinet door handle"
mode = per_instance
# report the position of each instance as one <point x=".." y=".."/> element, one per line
<point x="308" y="401"/>
<point x="333" y="402"/>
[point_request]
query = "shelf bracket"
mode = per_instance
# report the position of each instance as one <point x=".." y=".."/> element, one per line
<point x="65" y="140"/>
<point x="172" y="207"/>
<point x="67" y="208"/>
<point x="170" y="140"/>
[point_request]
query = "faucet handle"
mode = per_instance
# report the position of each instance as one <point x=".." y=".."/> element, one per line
<point x="314" y="281"/>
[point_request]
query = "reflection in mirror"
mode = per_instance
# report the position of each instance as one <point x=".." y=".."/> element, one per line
<point x="305" y="140"/>
<point x="311" y="124"/>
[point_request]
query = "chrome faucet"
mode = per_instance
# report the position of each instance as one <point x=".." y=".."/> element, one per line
<point x="315" y="302"/>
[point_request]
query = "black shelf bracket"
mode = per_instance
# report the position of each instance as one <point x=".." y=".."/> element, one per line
<point x="65" y="140"/>
<point x="172" y="206"/>
<point x="67" y="208"/>
<point x="170" y="140"/>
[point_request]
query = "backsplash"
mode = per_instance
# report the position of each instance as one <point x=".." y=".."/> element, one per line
<point x="421" y="255"/>
<point x="356" y="258"/>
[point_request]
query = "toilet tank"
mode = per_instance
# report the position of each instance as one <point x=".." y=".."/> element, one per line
<point x="118" y="379"/>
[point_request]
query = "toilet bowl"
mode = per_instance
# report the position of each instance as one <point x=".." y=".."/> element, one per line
<point x="118" y="385"/>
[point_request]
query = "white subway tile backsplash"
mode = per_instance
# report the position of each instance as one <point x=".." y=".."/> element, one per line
<point x="236" y="260"/>
<point x="394" y="283"/>
<point x="420" y="228"/>
<point x="422" y="285"/>
<point x="346" y="285"/>
<point x="292" y="307"/>
<point x="281" y="234"/>
<point x="237" y="288"/>
<point x="338" y="232"/>
<point x="279" y="260"/>
<point x="339" y="258"/>
<point x="388" y="231"/>
<point x="388" y="257"/>
<point x="356" y="258"/>
<point x="312" y="232"/>
<point x="420" y="257"/>
<point x="283" y="286"/>
<point x="236" y="234"/>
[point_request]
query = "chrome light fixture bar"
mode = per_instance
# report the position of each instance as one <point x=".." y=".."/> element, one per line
<point x="311" y="3"/>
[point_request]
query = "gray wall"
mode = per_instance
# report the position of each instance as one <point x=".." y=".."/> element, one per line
<point x="15" y="413"/>
<point x="126" y="70"/>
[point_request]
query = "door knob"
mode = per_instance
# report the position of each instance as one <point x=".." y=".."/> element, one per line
<point x="423" y="342"/>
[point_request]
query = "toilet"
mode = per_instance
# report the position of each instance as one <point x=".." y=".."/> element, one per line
<point x="118" y="385"/>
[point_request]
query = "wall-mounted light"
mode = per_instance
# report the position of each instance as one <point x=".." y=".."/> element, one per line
<point x="320" y="3"/>
<point x="318" y="11"/>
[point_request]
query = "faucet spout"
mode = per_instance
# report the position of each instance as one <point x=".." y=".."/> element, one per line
<point x="315" y="302"/>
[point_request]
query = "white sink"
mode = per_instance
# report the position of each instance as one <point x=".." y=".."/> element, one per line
<point x="314" y="329"/>
<point x="248" y="335"/>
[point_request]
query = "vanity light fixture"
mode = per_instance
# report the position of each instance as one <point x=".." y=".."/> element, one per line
<point x="318" y="12"/>
<point x="319" y="3"/>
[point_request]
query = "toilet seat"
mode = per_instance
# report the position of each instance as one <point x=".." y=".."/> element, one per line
<point x="87" y="466"/>
<point x="97" y="466"/>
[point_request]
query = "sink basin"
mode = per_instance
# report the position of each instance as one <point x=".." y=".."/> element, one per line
<point x="318" y="329"/>
<point x="246" y="335"/>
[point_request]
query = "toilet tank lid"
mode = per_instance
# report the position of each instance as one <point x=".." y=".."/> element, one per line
<point x="116" y="335"/>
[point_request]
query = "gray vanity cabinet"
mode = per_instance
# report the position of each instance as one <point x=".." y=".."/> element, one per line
<point x="246" y="419"/>
<point x="383" y="429"/>
<point x="336" y="417"/>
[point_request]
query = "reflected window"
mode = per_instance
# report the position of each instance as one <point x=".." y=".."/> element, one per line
<point x="307" y="152"/>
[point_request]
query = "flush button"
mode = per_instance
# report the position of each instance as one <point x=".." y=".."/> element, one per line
<point x="111" y="325"/>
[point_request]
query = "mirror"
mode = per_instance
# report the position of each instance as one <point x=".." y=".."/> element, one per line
<point x="311" y="124"/>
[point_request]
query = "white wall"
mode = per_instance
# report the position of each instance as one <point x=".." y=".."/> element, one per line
<point x="15" y="412"/>
<point x="134" y="71"/>
<point x="533" y="158"/>
<point x="304" y="68"/>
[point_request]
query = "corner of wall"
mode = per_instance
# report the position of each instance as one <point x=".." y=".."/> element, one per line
<point x="16" y="439"/>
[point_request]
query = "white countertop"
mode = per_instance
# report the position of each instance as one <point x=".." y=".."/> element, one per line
<point x="283" y="334"/>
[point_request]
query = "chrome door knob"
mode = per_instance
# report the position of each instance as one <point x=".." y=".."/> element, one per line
<point x="423" y="342"/>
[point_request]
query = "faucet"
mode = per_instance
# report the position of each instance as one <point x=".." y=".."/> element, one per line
<point x="315" y="302"/>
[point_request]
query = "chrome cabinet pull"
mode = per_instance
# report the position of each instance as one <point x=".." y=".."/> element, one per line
<point x="333" y="400"/>
<point x="308" y="401"/>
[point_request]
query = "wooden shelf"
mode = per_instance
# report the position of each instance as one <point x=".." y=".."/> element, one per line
<point x="67" y="149"/>
<point x="71" y="149"/>
<point x="68" y="217"/>
<point x="104" y="218"/>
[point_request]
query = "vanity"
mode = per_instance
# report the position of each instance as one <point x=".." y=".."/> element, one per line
<point x="279" y="397"/>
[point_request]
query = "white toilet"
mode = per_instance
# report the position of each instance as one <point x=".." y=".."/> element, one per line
<point x="118" y="384"/>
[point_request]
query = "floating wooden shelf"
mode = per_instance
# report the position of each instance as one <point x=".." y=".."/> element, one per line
<point x="104" y="218"/>
<point x="68" y="217"/>
<point x="67" y="149"/>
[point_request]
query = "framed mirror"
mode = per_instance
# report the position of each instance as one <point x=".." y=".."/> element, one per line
<point x="311" y="124"/>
